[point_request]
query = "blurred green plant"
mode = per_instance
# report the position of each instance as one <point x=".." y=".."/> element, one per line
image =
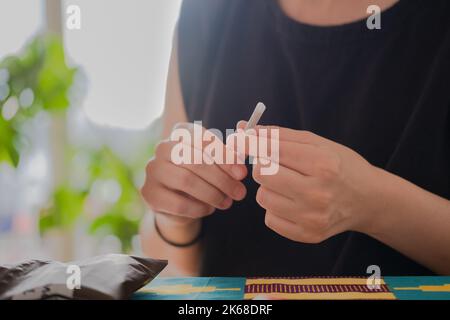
<point x="64" y="209"/>
<point x="120" y="218"/>
<point x="41" y="72"/>
<point x="37" y="79"/>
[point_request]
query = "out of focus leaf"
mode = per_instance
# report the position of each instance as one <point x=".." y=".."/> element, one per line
<point x="66" y="207"/>
<point x="8" y="151"/>
<point x="41" y="67"/>
<point x="55" y="77"/>
<point x="117" y="220"/>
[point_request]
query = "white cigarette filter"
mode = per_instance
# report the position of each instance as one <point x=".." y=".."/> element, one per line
<point x="256" y="116"/>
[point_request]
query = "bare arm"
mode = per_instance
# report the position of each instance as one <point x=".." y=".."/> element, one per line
<point x="412" y="221"/>
<point x="183" y="261"/>
<point x="180" y="195"/>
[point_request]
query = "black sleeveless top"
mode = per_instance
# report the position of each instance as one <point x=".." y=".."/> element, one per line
<point x="384" y="93"/>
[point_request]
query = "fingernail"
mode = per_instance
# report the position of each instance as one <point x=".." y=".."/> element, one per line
<point x="237" y="172"/>
<point x="241" y="124"/>
<point x="226" y="203"/>
<point x="239" y="193"/>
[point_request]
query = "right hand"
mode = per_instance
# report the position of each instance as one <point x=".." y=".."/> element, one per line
<point x="182" y="194"/>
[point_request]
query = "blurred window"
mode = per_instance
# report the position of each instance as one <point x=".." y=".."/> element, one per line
<point x="124" y="48"/>
<point x="19" y="20"/>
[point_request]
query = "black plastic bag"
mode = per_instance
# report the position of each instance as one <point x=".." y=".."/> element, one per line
<point x="112" y="276"/>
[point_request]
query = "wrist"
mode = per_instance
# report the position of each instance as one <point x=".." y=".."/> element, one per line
<point x="375" y="202"/>
<point x="174" y="230"/>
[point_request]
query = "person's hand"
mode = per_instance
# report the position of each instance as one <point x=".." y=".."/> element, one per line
<point x="321" y="188"/>
<point x="184" y="193"/>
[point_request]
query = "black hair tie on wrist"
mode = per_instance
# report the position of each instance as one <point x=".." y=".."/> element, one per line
<point x="175" y="244"/>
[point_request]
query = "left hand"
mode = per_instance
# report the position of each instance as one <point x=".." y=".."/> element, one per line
<point x="321" y="189"/>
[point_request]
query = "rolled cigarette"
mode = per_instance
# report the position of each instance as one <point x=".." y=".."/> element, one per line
<point x="256" y="116"/>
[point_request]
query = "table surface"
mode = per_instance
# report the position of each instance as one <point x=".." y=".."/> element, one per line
<point x="333" y="288"/>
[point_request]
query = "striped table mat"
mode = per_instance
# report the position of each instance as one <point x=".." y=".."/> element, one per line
<point x="317" y="288"/>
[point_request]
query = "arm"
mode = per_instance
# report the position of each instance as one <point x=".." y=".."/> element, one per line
<point x="180" y="195"/>
<point x="183" y="261"/>
<point x="413" y="221"/>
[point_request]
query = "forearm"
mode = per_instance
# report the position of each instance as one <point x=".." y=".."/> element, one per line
<point x="411" y="220"/>
<point x="182" y="261"/>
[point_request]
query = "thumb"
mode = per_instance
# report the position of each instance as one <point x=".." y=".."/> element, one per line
<point x="241" y="124"/>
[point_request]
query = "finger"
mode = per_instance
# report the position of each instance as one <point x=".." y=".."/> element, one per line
<point x="304" y="158"/>
<point x="210" y="143"/>
<point x="284" y="207"/>
<point x="241" y="124"/>
<point x="286" y="181"/>
<point x="308" y="227"/>
<point x="293" y="135"/>
<point x="248" y="143"/>
<point x="219" y="179"/>
<point x="163" y="200"/>
<point x="273" y="201"/>
<point x="239" y="142"/>
<point x="232" y="166"/>
<point x="303" y="136"/>
<point x="180" y="179"/>
<point x="282" y="226"/>
<point x="169" y="150"/>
